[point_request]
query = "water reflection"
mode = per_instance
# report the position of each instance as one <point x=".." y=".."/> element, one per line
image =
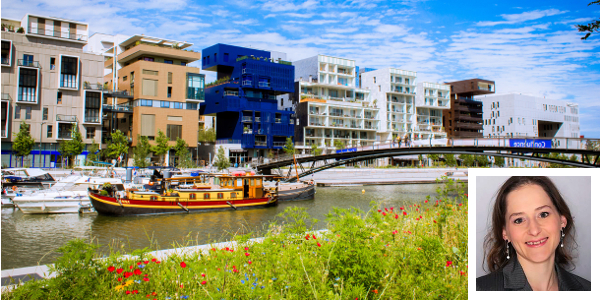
<point x="31" y="239"/>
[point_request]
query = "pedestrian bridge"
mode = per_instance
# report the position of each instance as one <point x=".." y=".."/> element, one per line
<point x="588" y="158"/>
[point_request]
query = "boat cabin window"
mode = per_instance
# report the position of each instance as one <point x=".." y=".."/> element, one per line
<point x="206" y="196"/>
<point x="239" y="182"/>
<point x="153" y="198"/>
<point x="192" y="196"/>
<point x="258" y="181"/>
<point x="217" y="181"/>
<point x="252" y="182"/>
<point x="233" y="196"/>
<point x="220" y="195"/>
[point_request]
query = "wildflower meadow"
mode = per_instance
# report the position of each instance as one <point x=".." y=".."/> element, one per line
<point x="417" y="251"/>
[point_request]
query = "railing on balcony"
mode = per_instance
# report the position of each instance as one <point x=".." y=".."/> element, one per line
<point x="278" y="144"/>
<point x="68" y="81"/>
<point x="291" y="121"/>
<point x="5" y="61"/>
<point x="260" y="143"/>
<point x="60" y="34"/>
<point x="247" y="131"/>
<point x="116" y="94"/>
<point x="27" y="94"/>
<point x="66" y="118"/>
<point x="246" y="119"/>
<point x="28" y="63"/>
<point x="6" y="96"/>
<point x="64" y="135"/>
<point x="277" y="120"/>
<point x="264" y="84"/>
<point x="118" y="107"/>
<point x="260" y="131"/>
<point x="92" y="119"/>
<point x="93" y="86"/>
<point x="231" y="93"/>
<point x="247" y="82"/>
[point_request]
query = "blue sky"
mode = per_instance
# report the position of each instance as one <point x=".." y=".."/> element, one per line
<point x="528" y="47"/>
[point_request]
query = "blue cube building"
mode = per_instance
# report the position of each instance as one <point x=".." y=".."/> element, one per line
<point x="243" y="99"/>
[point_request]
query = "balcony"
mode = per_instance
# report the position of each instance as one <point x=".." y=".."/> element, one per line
<point x="28" y="63"/>
<point x="278" y="144"/>
<point x="260" y="131"/>
<point x="92" y="119"/>
<point x="65" y="135"/>
<point x="260" y="143"/>
<point x="246" y="119"/>
<point x="277" y="120"/>
<point x="93" y="86"/>
<point x="5" y="61"/>
<point x="247" y="82"/>
<point x="66" y="118"/>
<point x="59" y="34"/>
<point x="143" y="49"/>
<point x="264" y="84"/>
<point x="68" y="81"/>
<point x="6" y="97"/>
<point x="231" y="93"/>
<point x="117" y="94"/>
<point x="257" y="119"/>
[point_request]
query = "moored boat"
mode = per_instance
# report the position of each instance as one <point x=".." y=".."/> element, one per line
<point x="294" y="191"/>
<point x="186" y="194"/>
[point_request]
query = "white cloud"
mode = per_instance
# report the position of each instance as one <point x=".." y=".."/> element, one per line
<point x="522" y="17"/>
<point x="246" y="22"/>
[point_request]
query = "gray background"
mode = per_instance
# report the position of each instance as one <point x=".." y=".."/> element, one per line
<point x="576" y="190"/>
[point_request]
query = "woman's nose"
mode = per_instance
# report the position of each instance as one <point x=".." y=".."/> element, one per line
<point x="534" y="228"/>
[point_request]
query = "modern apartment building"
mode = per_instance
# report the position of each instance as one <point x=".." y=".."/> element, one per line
<point x="244" y="100"/>
<point x="161" y="92"/>
<point x="464" y="119"/>
<point x="330" y="106"/>
<point x="50" y="83"/>
<point x="516" y="115"/>
<point x="393" y="91"/>
<point x="431" y="101"/>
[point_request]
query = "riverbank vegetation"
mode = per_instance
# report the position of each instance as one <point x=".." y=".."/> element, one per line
<point x="414" y="251"/>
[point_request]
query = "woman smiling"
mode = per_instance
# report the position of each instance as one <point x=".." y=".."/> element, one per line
<point x="529" y="243"/>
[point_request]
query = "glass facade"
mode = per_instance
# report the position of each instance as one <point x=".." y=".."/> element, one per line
<point x="195" y="86"/>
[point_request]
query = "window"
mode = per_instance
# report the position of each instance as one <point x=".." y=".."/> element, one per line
<point x="192" y="106"/>
<point x="169" y="91"/>
<point x="168" y="61"/>
<point x="177" y="105"/>
<point x="52" y="63"/>
<point x="164" y="104"/>
<point x="183" y="63"/>
<point x="90" y="132"/>
<point x="145" y="102"/>
<point x="173" y="132"/>
<point x="148" y="58"/>
<point x="192" y="196"/>
<point x="195" y="86"/>
<point x="68" y="71"/>
<point x="220" y="195"/>
<point x="92" y="107"/>
<point x="148" y="125"/>
<point x="44" y="114"/>
<point x="28" y="113"/>
<point x="28" y="59"/>
<point x="124" y="78"/>
<point x="207" y="195"/>
<point x="59" y="98"/>
<point x="169" y="78"/>
<point x="17" y="112"/>
<point x="149" y="87"/>
<point x="150" y="72"/>
<point x="374" y="80"/>
<point x="49" y="131"/>
<point x="215" y="57"/>
<point x="225" y="57"/>
<point x="28" y="79"/>
<point x="232" y="196"/>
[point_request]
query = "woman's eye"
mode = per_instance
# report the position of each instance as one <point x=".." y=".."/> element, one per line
<point x="518" y="221"/>
<point x="544" y="214"/>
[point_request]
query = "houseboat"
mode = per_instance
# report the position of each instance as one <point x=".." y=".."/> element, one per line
<point x="186" y="194"/>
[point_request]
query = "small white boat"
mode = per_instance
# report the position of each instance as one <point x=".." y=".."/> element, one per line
<point x="69" y="195"/>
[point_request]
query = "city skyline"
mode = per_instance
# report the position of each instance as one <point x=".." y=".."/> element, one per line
<point x="532" y="49"/>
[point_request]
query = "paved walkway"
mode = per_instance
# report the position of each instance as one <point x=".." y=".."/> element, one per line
<point x="371" y="176"/>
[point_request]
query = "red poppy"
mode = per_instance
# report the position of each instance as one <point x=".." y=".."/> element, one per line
<point x="314" y="237"/>
<point x="401" y="207"/>
<point x="119" y="279"/>
<point x="460" y="204"/>
<point x="379" y="210"/>
<point x="139" y="263"/>
<point x="146" y="262"/>
<point x="375" y="291"/>
<point x="318" y="244"/>
<point x="158" y="261"/>
<point x="434" y="221"/>
<point x="396" y="216"/>
<point x="249" y="262"/>
<point x="137" y="272"/>
<point x="182" y="264"/>
<point x="135" y="291"/>
<point x="111" y="269"/>
<point x="420" y="217"/>
<point x="127" y="292"/>
<point x="246" y="248"/>
<point x="417" y="219"/>
<point x="383" y="214"/>
<point x="386" y="209"/>
<point x="307" y="237"/>
<point x="247" y="254"/>
<point x="426" y="201"/>
<point x="233" y="267"/>
<point x="130" y="267"/>
<point x="419" y="248"/>
<point x="154" y="259"/>
<point x="181" y="286"/>
<point x="213" y="249"/>
<point x="235" y="271"/>
<point x="146" y="279"/>
<point x="404" y="213"/>
<point x="153" y="293"/>
<point x="462" y="273"/>
<point x="203" y="282"/>
<point x="448" y="263"/>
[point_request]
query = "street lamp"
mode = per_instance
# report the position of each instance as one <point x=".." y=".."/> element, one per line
<point x="41" y="132"/>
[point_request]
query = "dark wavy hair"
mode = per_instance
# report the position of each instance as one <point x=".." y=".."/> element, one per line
<point x="494" y="245"/>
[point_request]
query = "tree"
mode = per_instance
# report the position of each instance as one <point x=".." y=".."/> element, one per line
<point x="420" y="159"/>
<point x="289" y="147"/>
<point x="183" y="154"/>
<point x="590" y="27"/>
<point x="222" y="161"/>
<point x="592" y="145"/>
<point x="141" y="151"/>
<point x="23" y="142"/>
<point x="162" y="146"/>
<point x="315" y="150"/>
<point x="482" y="161"/>
<point x="499" y="161"/>
<point x="450" y="160"/>
<point x="207" y="135"/>
<point x="119" y="145"/>
<point x="93" y="153"/>
<point x="434" y="157"/>
<point x="468" y="160"/>
<point x="74" y="146"/>
<point x="339" y="144"/>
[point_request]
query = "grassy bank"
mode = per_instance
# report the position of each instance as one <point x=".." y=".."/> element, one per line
<point x="417" y="251"/>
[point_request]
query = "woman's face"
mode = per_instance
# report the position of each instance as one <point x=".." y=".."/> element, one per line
<point x="532" y="224"/>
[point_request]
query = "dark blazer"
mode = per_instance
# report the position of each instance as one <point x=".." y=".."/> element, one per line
<point x="512" y="278"/>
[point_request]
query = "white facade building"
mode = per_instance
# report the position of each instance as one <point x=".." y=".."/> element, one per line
<point x="516" y="115"/>
<point x="393" y="91"/>
<point x="330" y="107"/>
<point x="431" y="100"/>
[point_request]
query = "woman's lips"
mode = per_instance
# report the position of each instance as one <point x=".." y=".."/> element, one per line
<point x="537" y="243"/>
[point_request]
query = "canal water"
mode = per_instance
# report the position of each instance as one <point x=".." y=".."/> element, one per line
<point x="29" y="240"/>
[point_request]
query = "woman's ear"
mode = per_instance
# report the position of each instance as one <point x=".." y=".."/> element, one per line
<point x="504" y="234"/>
<point x="563" y="221"/>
